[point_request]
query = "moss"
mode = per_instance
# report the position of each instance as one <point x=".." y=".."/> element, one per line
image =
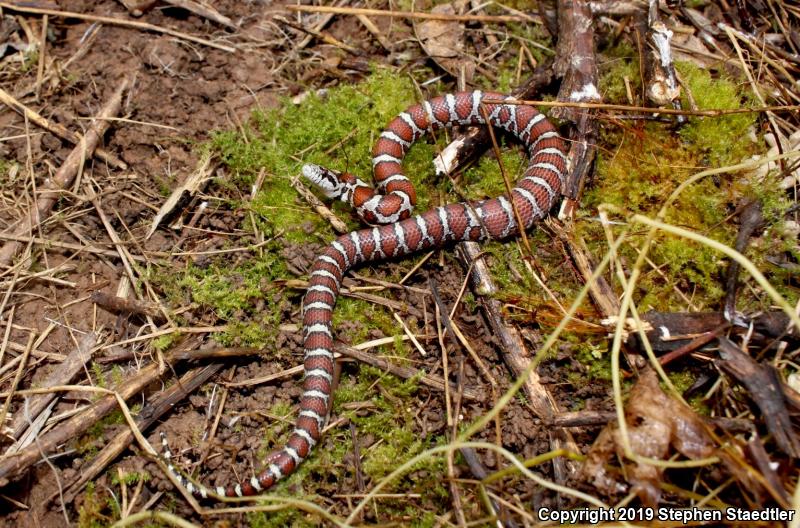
<point x="648" y="162"/>
<point x="723" y="140"/>
<point x="92" y="512"/>
<point x="165" y="342"/>
<point x="129" y="478"/>
<point x="279" y="519"/>
<point x="682" y="380"/>
<point x="592" y="355"/>
<point x="618" y="64"/>
<point x="367" y="316"/>
<point x="281" y="140"/>
<point x="99" y="375"/>
<point x="243" y="294"/>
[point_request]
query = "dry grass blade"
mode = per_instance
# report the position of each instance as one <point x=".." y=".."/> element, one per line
<point x="409" y="14"/>
<point x="117" y="21"/>
<point x="58" y="129"/>
<point x="49" y="193"/>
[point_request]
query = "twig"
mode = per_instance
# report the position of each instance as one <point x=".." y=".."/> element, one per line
<point x="136" y="7"/>
<point x="76" y="247"/>
<point x="193" y="184"/>
<point x="515" y="354"/>
<point x="751" y="219"/>
<point x="12" y="467"/>
<point x="62" y="375"/>
<point x="602" y="293"/>
<point x="321" y="35"/>
<point x="22" y="364"/>
<point x="321" y="209"/>
<point x="323" y="21"/>
<point x="63" y="178"/>
<point x="409" y="14"/>
<point x="42" y="56"/>
<point x="764" y="387"/>
<point x="117" y="21"/>
<point x="713" y="112"/>
<point x="151" y="412"/>
<point x="58" y="129"/>
<point x="376" y="32"/>
<point x="122" y="305"/>
<point x="659" y="71"/>
<point x="205" y="11"/>
<point x="576" y="64"/>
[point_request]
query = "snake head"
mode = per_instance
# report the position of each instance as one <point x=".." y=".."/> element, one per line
<point x="327" y="180"/>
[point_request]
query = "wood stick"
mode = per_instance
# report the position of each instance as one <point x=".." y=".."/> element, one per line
<point x="58" y="129"/>
<point x="14" y="465"/>
<point x="516" y="355"/>
<point x="163" y="403"/>
<point x="204" y="11"/>
<point x="323" y="210"/>
<point x="660" y="80"/>
<point x="117" y="21"/>
<point x="121" y="305"/>
<point x="192" y="185"/>
<point x="75" y="247"/>
<point x="323" y="36"/>
<point x="577" y="66"/>
<point x="764" y="386"/>
<point x="409" y="14"/>
<point x="63" y="178"/>
<point x="751" y="220"/>
<point x="62" y="375"/>
<point x="600" y="290"/>
<point x="710" y="112"/>
<point x="376" y="32"/>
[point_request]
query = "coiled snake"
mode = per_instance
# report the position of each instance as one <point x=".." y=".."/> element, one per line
<point x="400" y="234"/>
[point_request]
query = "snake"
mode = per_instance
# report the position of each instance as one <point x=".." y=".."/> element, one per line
<point x="396" y="233"/>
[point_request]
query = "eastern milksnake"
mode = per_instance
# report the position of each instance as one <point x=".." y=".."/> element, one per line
<point x="400" y="234"/>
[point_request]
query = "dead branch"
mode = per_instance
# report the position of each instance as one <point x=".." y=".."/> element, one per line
<point x="765" y="388"/>
<point x="600" y="290"/>
<point x="409" y="14"/>
<point x="162" y="404"/>
<point x="323" y="210"/>
<point x="751" y="220"/>
<point x="323" y="36"/>
<point x="515" y="354"/>
<point x="62" y="375"/>
<point x="12" y="466"/>
<point x="576" y="65"/>
<point x="668" y="331"/>
<point x="57" y="129"/>
<point x="193" y="184"/>
<point x="203" y="10"/>
<point x="121" y="305"/>
<point x="660" y="81"/>
<point x="50" y="191"/>
<point x="116" y="21"/>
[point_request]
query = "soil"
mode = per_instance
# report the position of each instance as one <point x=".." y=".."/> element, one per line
<point x="183" y="90"/>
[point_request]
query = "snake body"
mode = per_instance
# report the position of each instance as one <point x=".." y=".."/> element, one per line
<point x="400" y="234"/>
